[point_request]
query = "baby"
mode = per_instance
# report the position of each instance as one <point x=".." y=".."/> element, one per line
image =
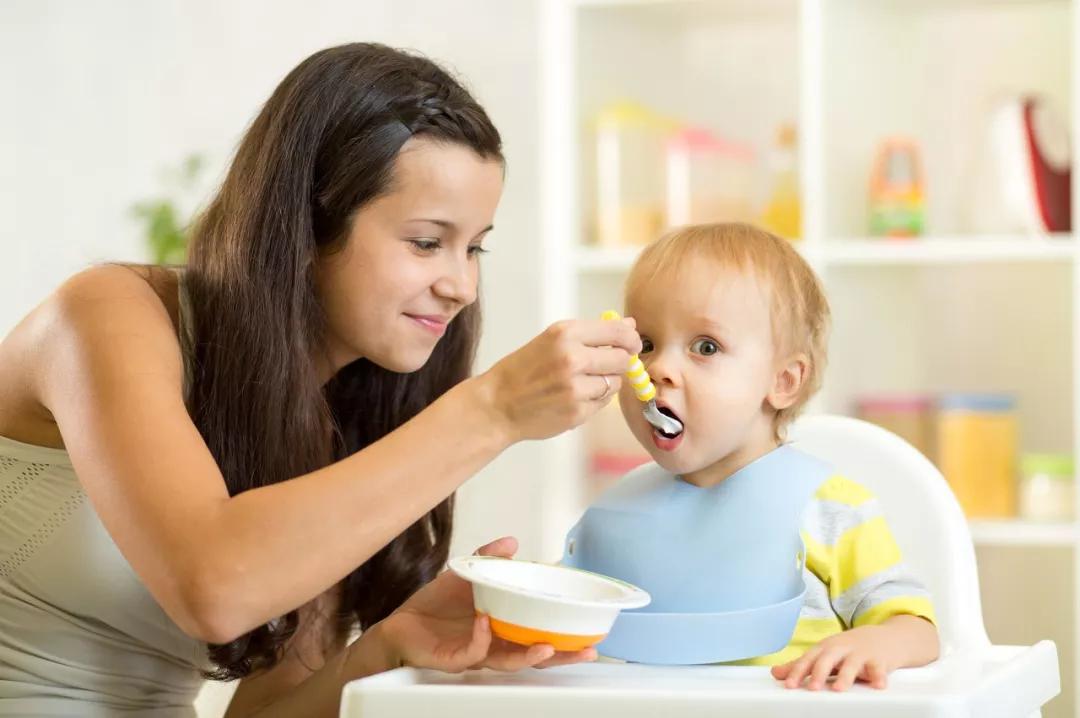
<point x="733" y="325"/>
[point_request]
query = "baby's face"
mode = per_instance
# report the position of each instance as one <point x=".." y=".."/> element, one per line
<point x="708" y="346"/>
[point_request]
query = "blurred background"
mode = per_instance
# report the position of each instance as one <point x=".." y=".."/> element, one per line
<point x="918" y="152"/>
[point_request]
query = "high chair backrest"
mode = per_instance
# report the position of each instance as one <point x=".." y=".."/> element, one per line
<point x="922" y="512"/>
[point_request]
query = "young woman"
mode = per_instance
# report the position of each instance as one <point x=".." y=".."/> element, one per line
<point x="228" y="467"/>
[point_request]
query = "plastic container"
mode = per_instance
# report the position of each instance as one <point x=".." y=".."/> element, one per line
<point x="529" y="603"/>
<point x="909" y="416"/>
<point x="709" y="179"/>
<point x="630" y="174"/>
<point x="977" y="452"/>
<point x="897" y="193"/>
<point x="1047" y="487"/>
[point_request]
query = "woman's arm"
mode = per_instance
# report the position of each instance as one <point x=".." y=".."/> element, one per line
<point x="110" y="372"/>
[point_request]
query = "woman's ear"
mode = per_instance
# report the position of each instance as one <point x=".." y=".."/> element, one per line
<point x="788" y="381"/>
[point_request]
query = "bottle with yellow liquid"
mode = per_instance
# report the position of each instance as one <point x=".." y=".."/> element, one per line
<point x="782" y="214"/>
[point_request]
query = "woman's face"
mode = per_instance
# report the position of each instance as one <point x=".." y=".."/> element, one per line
<point x="410" y="262"/>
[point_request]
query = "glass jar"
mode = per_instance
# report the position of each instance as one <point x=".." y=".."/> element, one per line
<point x="709" y="179"/>
<point x="1047" y="487"/>
<point x="629" y="175"/>
<point x="977" y="452"/>
<point x="909" y="416"/>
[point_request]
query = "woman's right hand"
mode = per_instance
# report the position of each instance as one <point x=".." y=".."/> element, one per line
<point x="560" y="378"/>
<point x="438" y="627"/>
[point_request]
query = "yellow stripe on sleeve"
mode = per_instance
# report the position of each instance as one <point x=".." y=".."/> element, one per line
<point x="862" y="552"/>
<point x="897" y="606"/>
<point x="819" y="558"/>
<point x="843" y="491"/>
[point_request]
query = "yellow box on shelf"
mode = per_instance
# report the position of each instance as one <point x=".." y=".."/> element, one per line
<point x="977" y="452"/>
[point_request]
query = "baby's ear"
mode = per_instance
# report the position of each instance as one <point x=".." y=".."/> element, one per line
<point x="788" y="381"/>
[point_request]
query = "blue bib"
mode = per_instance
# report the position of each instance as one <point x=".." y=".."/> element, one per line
<point x="723" y="564"/>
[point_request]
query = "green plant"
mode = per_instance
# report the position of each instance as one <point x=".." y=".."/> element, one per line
<point x="165" y="223"/>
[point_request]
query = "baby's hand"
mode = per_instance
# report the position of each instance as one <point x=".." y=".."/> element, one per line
<point x="864" y="654"/>
<point x="867" y="653"/>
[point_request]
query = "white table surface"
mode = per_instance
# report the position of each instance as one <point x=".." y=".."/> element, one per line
<point x="994" y="682"/>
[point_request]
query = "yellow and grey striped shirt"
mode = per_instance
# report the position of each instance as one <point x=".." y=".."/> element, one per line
<point x="855" y="575"/>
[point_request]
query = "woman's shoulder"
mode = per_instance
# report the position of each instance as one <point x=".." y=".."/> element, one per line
<point x="95" y="320"/>
<point x="117" y="305"/>
<point x="114" y="303"/>
<point x="149" y="288"/>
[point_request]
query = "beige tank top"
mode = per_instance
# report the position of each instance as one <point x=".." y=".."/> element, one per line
<point x="80" y="635"/>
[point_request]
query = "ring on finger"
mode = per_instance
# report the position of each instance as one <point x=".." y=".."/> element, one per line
<point x="607" y="389"/>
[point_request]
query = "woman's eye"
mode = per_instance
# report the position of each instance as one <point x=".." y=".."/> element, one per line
<point x="705" y="347"/>
<point x="646" y="346"/>
<point x="476" y="250"/>
<point x="425" y="245"/>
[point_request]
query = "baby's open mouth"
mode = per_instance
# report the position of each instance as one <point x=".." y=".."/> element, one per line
<point x="671" y="415"/>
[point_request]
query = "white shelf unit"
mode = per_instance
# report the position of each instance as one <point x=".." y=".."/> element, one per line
<point x="1023" y="533"/>
<point x="875" y="252"/>
<point x="957" y="309"/>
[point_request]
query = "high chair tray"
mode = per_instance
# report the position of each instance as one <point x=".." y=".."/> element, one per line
<point x="994" y="682"/>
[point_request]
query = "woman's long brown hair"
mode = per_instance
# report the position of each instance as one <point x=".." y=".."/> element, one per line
<point x="322" y="147"/>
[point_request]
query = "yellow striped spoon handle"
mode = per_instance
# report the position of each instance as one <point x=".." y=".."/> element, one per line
<point x="645" y="391"/>
<point x="635" y="372"/>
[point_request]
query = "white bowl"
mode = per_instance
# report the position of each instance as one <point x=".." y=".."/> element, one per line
<point x="530" y="603"/>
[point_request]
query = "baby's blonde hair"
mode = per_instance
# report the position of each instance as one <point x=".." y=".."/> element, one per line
<point x="798" y="309"/>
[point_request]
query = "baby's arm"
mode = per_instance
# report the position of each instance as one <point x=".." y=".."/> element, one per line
<point x="887" y="611"/>
<point x="866" y="653"/>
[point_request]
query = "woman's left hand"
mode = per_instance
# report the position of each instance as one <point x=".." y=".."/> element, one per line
<point x="438" y="628"/>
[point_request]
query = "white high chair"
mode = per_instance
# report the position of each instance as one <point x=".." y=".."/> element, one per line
<point x="973" y="679"/>
<point x="923" y="514"/>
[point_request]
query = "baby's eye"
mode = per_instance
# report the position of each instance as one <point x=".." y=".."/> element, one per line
<point x="646" y="345"/>
<point x="705" y="347"/>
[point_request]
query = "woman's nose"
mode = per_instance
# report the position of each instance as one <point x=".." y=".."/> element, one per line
<point x="458" y="281"/>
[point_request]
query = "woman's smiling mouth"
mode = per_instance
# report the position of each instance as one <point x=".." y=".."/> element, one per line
<point x="433" y="323"/>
